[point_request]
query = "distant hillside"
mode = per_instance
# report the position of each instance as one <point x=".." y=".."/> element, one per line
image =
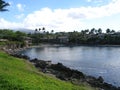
<point x="25" y="30"/>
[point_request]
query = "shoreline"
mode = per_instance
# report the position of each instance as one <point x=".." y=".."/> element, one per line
<point x="97" y="45"/>
<point x="93" y="81"/>
<point x="9" y="51"/>
<point x="66" y="74"/>
<point x="51" y="44"/>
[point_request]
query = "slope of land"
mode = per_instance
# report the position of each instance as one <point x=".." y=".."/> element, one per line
<point x="19" y="74"/>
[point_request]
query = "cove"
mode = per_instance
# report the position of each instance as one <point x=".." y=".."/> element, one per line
<point x="92" y="60"/>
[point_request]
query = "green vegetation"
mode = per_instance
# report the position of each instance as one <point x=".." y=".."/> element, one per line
<point x="12" y="39"/>
<point x="89" y="37"/>
<point x="19" y="74"/>
<point x="95" y="37"/>
<point x="12" y="35"/>
<point x="3" y="6"/>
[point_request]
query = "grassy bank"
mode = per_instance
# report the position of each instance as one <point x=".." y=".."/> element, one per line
<point x="19" y="74"/>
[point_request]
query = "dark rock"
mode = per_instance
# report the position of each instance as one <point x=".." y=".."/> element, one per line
<point x="99" y="82"/>
<point x="100" y="79"/>
<point x="64" y="73"/>
<point x="107" y="86"/>
<point x="20" y="56"/>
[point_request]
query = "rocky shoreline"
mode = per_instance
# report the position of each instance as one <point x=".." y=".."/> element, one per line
<point x="64" y="73"/>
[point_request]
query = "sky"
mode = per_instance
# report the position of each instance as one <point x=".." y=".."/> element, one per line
<point x="61" y="15"/>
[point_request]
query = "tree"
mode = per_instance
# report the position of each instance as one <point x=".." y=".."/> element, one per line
<point x="92" y="31"/>
<point x="3" y="6"/>
<point x="99" y="31"/>
<point x="108" y="31"/>
<point x="113" y="31"/>
<point x="39" y="29"/>
<point x="96" y="31"/>
<point x="83" y="32"/>
<point x="52" y="31"/>
<point x="43" y="28"/>
<point x="87" y="31"/>
<point x="36" y="30"/>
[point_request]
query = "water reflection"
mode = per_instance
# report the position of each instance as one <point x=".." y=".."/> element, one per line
<point x="96" y="61"/>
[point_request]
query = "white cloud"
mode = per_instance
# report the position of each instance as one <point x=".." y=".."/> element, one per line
<point x="96" y="12"/>
<point x="57" y="19"/>
<point x="65" y="19"/>
<point x="69" y="19"/>
<point x="4" y="24"/>
<point x="20" y="7"/>
<point x="20" y="16"/>
<point x="95" y="1"/>
<point x="89" y="0"/>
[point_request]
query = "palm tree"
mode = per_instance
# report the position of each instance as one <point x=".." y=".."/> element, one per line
<point x="108" y="31"/>
<point x="3" y="4"/>
<point x="113" y="31"/>
<point x="87" y="31"/>
<point x="39" y="29"/>
<point x="99" y="31"/>
<point x="83" y="32"/>
<point x="52" y="31"/>
<point x="43" y="29"/>
<point x="92" y="31"/>
<point x="36" y="30"/>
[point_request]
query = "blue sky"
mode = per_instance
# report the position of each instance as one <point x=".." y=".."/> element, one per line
<point x="61" y="15"/>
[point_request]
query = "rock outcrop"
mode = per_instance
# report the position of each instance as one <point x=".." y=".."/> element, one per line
<point x="64" y="73"/>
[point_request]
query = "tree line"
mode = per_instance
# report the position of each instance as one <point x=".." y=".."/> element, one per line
<point x="92" y="36"/>
<point x="12" y="39"/>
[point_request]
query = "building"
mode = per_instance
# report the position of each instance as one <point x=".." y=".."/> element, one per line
<point x="63" y="39"/>
<point x="28" y="41"/>
<point x="3" y="40"/>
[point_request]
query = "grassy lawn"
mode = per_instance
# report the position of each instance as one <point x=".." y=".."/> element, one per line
<point x="19" y="74"/>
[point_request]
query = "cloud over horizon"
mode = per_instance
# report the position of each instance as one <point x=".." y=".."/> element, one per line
<point x="63" y="19"/>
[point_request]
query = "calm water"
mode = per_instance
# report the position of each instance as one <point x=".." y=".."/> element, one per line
<point x="95" y="61"/>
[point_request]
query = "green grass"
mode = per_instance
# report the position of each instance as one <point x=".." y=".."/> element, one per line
<point x="19" y="74"/>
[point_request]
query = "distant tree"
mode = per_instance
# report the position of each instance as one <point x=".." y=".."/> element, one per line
<point x="43" y="28"/>
<point x="44" y="32"/>
<point x="36" y="30"/>
<point x="113" y="31"/>
<point x="19" y="36"/>
<point x="39" y="29"/>
<point x="86" y="31"/>
<point x="3" y="6"/>
<point x="52" y="31"/>
<point x="99" y="31"/>
<point x="96" y="31"/>
<point x="92" y="31"/>
<point x="47" y="32"/>
<point x="108" y="30"/>
<point x="83" y="32"/>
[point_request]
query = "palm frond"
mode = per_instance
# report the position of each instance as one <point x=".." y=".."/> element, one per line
<point x="3" y="5"/>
